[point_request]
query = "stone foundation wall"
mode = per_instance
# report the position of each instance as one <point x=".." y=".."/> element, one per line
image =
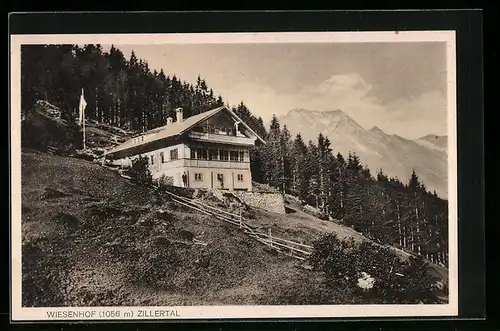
<point x="272" y="202"/>
<point x="269" y="201"/>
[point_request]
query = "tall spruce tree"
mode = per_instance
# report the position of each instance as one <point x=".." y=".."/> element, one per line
<point x="300" y="170"/>
<point x="272" y="155"/>
<point x="285" y="152"/>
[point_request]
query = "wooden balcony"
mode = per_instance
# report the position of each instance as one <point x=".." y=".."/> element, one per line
<point x="221" y="139"/>
<point x="216" y="164"/>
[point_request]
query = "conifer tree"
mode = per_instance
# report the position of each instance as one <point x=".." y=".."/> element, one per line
<point x="314" y="180"/>
<point x="285" y="152"/>
<point x="301" y="173"/>
<point x="272" y="155"/>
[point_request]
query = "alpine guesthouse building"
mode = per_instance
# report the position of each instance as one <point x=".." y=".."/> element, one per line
<point x="210" y="150"/>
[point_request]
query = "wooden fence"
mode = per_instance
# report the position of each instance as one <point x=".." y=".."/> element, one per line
<point x="291" y="248"/>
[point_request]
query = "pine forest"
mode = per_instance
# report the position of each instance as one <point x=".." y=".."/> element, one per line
<point x="126" y="93"/>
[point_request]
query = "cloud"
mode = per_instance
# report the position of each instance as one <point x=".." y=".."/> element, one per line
<point x="339" y="91"/>
<point x="338" y="85"/>
<point x="421" y="115"/>
<point x="411" y="118"/>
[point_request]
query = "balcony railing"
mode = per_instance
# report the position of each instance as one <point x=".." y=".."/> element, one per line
<point x="216" y="164"/>
<point x="221" y="138"/>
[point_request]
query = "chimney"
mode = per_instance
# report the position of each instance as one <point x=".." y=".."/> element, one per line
<point x="169" y="120"/>
<point x="178" y="113"/>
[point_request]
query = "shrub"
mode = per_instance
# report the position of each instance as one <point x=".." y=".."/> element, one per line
<point x="72" y="136"/>
<point x="419" y="283"/>
<point x="164" y="182"/>
<point x="394" y="280"/>
<point x="323" y="216"/>
<point x="139" y="172"/>
<point x="39" y="132"/>
<point x="332" y="256"/>
<point x="34" y="134"/>
<point x="385" y="267"/>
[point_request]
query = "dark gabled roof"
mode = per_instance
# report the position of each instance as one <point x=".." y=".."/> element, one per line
<point x="177" y="129"/>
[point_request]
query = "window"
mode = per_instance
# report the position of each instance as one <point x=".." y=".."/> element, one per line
<point x="152" y="159"/>
<point x="213" y="154"/>
<point x="162" y="157"/>
<point x="197" y="177"/>
<point x="193" y="153"/>
<point x="174" y="154"/>
<point x="233" y="156"/>
<point x="242" y="156"/>
<point x="201" y="154"/>
<point x="224" y="155"/>
<point x="220" y="177"/>
<point x="240" y="177"/>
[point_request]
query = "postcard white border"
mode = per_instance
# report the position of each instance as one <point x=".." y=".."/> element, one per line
<point x="20" y="313"/>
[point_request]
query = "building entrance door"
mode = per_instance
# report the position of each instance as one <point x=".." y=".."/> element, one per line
<point x="219" y="181"/>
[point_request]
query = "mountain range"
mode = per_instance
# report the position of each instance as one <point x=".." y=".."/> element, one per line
<point x="395" y="155"/>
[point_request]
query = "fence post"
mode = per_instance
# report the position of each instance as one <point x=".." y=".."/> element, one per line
<point x="270" y="238"/>
<point x="240" y="216"/>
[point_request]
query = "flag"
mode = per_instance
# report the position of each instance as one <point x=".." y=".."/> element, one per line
<point x="82" y="106"/>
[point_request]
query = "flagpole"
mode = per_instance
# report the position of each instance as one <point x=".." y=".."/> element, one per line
<point x="83" y="104"/>
<point x="83" y="130"/>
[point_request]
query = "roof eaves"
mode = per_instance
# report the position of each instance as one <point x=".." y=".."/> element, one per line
<point x="246" y="126"/>
<point x="208" y="114"/>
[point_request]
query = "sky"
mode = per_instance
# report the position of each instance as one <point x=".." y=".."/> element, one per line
<point x="399" y="87"/>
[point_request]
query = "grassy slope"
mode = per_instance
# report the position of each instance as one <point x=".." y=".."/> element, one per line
<point x="92" y="238"/>
<point x="303" y="227"/>
<point x="96" y="239"/>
